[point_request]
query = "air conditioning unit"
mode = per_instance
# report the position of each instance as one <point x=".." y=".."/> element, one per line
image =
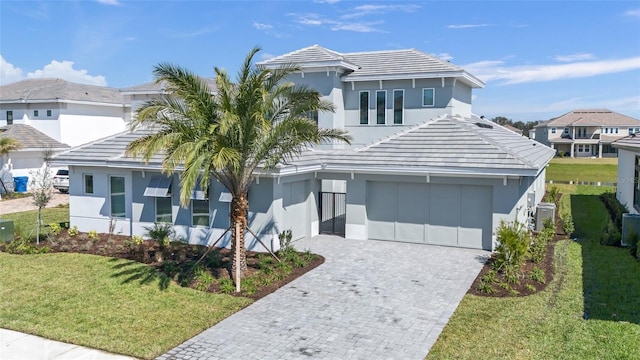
<point x="6" y="230"/>
<point x="543" y="212"/>
<point x="630" y="224"/>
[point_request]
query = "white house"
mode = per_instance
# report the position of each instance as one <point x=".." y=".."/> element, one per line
<point x="424" y="169"/>
<point x="69" y="113"/>
<point x="586" y="132"/>
<point x="628" y="189"/>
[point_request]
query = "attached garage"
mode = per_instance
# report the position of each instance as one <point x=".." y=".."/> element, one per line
<point x="294" y="206"/>
<point x="441" y="214"/>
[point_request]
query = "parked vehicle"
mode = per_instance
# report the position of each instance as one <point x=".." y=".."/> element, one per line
<point x="61" y="181"/>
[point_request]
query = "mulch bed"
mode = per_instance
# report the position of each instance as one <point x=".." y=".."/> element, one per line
<point x="522" y="288"/>
<point x="177" y="258"/>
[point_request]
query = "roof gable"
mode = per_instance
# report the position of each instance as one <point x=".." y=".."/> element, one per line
<point x="30" y="137"/>
<point x="593" y="117"/>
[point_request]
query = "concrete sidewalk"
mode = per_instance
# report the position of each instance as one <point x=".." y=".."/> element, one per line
<point x="19" y="346"/>
<point x="26" y="203"/>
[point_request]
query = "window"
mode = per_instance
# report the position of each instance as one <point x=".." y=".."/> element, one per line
<point x="117" y="196"/>
<point x="163" y="210"/>
<point x="200" y="212"/>
<point x="616" y="130"/>
<point x="35" y="113"/>
<point x="630" y="131"/>
<point x="636" y="185"/>
<point x="428" y="97"/>
<point x="381" y="107"/>
<point x="9" y="117"/>
<point x="398" y="106"/>
<point x="553" y="130"/>
<point x="313" y="116"/>
<point x="566" y="131"/>
<point x="364" y="107"/>
<point x="48" y="112"/>
<point x="88" y="184"/>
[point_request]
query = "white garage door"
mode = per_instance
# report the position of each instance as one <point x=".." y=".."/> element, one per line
<point x="452" y="215"/>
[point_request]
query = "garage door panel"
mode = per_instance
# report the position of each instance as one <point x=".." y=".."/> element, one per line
<point x="381" y="210"/>
<point x="295" y="208"/>
<point x="411" y="214"/>
<point x="475" y="217"/>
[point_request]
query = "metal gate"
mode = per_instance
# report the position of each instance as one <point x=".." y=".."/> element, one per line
<point x="333" y="210"/>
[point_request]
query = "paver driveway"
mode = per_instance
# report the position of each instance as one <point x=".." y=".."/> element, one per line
<point x="369" y="300"/>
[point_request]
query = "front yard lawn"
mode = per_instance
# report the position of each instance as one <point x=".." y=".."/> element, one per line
<point x="591" y="309"/>
<point x="89" y="300"/>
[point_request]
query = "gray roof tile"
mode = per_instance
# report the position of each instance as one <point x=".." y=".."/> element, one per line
<point x="58" y="90"/>
<point x="592" y="117"/>
<point x="30" y="137"/>
<point x="154" y="87"/>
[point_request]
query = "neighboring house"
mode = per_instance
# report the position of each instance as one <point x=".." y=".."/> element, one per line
<point x="586" y="133"/>
<point x="33" y="146"/>
<point x="138" y="95"/>
<point x="514" y="129"/>
<point x="70" y="113"/>
<point x="532" y="134"/>
<point x="439" y="174"/>
<point x="628" y="189"/>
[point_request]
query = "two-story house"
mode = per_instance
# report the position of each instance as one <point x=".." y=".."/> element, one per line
<point x="68" y="112"/>
<point x="422" y="169"/>
<point x="586" y="133"/>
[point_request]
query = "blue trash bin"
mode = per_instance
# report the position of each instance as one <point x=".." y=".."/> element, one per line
<point x="20" y="183"/>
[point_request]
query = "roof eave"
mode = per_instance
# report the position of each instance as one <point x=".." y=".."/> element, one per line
<point x="462" y="75"/>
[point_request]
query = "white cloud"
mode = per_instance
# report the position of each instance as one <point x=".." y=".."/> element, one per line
<point x="261" y="26"/>
<point x="312" y="19"/>
<point x="64" y="70"/>
<point x="574" y="57"/>
<point x="444" y="56"/>
<point x="496" y="70"/>
<point x="467" y="26"/>
<point x="8" y="72"/>
<point x="633" y="13"/>
<point x="357" y="27"/>
<point x="110" y="2"/>
<point x="364" y="10"/>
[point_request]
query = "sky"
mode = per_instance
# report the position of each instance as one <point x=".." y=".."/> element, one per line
<point x="539" y="59"/>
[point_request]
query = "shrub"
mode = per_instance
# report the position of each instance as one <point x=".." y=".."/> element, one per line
<point x="567" y="224"/>
<point x="227" y="286"/>
<point x="285" y="240"/>
<point x="633" y="240"/>
<point x="74" y="231"/>
<point x="248" y="285"/>
<point x="93" y="234"/>
<point x="22" y="245"/>
<point x="55" y="228"/>
<point x="616" y="209"/>
<point x="537" y="274"/>
<point x="161" y="233"/>
<point x="203" y="278"/>
<point x="485" y="287"/>
<point x="512" y="248"/>
<point x="489" y="277"/>
<point x="549" y="225"/>
<point x="553" y="195"/>
<point x="610" y="235"/>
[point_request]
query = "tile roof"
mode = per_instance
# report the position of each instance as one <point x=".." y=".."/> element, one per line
<point x="30" y="138"/>
<point x="58" y="90"/>
<point x="372" y="65"/>
<point x="593" y="117"/>
<point x="631" y="141"/>
<point x="447" y="144"/>
<point x="154" y="87"/>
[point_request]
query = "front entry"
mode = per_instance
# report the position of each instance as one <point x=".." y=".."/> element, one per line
<point x="333" y="212"/>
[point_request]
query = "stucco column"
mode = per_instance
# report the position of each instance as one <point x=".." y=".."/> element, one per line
<point x="572" y="146"/>
<point x="600" y="150"/>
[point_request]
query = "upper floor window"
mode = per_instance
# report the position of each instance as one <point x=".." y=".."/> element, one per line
<point x="553" y="130"/>
<point x="398" y="106"/>
<point x="566" y="131"/>
<point x="364" y="107"/>
<point x="9" y="117"/>
<point x="630" y="131"/>
<point x="429" y="97"/>
<point x="116" y="190"/>
<point x="381" y="107"/>
<point x="616" y="130"/>
<point x="48" y="112"/>
<point x="35" y="113"/>
<point x="312" y="115"/>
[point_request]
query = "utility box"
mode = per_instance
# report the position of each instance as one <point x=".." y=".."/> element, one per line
<point x="6" y="230"/>
<point x="543" y="212"/>
<point x="630" y="224"/>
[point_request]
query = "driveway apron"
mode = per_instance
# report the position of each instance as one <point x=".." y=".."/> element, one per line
<point x="369" y="300"/>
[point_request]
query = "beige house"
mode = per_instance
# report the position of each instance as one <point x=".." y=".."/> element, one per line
<point x="587" y="132"/>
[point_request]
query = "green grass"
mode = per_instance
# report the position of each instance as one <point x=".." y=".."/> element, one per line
<point x="104" y="303"/>
<point x="592" y="170"/>
<point x="26" y="220"/>
<point x="603" y="282"/>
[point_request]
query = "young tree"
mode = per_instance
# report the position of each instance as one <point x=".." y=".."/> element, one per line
<point x="259" y="119"/>
<point x="41" y="192"/>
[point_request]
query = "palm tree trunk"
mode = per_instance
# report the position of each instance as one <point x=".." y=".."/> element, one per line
<point x="239" y="208"/>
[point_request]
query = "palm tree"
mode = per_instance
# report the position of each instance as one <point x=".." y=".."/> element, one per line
<point x="7" y="145"/>
<point x="258" y="120"/>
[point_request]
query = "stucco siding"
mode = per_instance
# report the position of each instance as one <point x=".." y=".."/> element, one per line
<point x="626" y="178"/>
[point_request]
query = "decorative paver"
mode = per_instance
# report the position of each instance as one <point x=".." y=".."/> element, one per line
<point x="369" y="300"/>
